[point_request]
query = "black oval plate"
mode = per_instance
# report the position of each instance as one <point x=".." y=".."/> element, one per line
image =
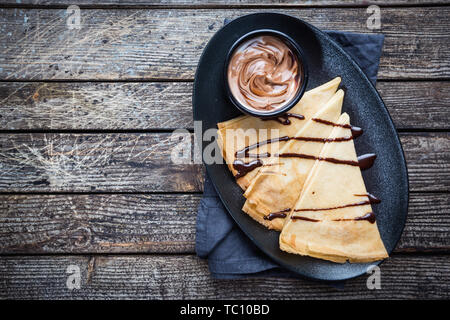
<point x="387" y="179"/>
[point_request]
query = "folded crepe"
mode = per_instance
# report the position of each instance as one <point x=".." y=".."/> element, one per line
<point x="240" y="132"/>
<point x="333" y="217"/>
<point x="277" y="186"/>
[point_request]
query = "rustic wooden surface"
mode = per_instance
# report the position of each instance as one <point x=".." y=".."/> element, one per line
<point x="185" y="276"/>
<point x="219" y="3"/>
<point x="136" y="44"/>
<point x="159" y="223"/>
<point x="85" y="123"/>
<point x="168" y="105"/>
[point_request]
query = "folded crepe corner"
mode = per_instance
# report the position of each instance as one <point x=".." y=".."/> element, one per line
<point x="278" y="184"/>
<point x="231" y="137"/>
<point x="323" y="223"/>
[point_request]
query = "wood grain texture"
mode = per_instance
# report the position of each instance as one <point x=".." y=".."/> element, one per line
<point x="98" y="223"/>
<point x="115" y="44"/>
<point x="130" y="106"/>
<point x="164" y="44"/>
<point x="187" y="277"/>
<point x="38" y="105"/>
<point x="421" y="162"/>
<point x="142" y="162"/>
<point x="127" y="223"/>
<point x="216" y="3"/>
<point x="94" y="162"/>
<point x="417" y="105"/>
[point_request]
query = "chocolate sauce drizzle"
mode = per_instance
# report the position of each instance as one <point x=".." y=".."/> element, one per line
<point x="257" y="155"/>
<point x="284" y="118"/>
<point x="364" y="161"/>
<point x="278" y="214"/>
<point x="304" y="218"/>
<point x="281" y="214"/>
<point x="356" y="131"/>
<point x="356" y="204"/>
<point x="243" y="168"/>
<point x="372" y="198"/>
<point x="244" y="153"/>
<point x="370" y="216"/>
<point x="311" y="157"/>
<point x="323" y="140"/>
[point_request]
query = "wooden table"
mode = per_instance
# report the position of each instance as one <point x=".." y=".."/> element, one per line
<point x="86" y="117"/>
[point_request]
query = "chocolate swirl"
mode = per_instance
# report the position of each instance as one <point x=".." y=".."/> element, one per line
<point x="264" y="73"/>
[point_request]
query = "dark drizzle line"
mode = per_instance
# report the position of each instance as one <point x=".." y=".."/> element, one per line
<point x="308" y="156"/>
<point x="370" y="216"/>
<point x="245" y="167"/>
<point x="324" y="140"/>
<point x="365" y="161"/>
<point x="284" y="118"/>
<point x="258" y="155"/>
<point x="371" y="197"/>
<point x="281" y="214"/>
<point x="244" y="153"/>
<point x="356" y="131"/>
<point x="304" y="218"/>
<point x="278" y="214"/>
<point x="361" y="203"/>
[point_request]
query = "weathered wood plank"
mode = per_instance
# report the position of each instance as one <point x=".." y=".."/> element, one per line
<point x="427" y="153"/>
<point x="94" y="162"/>
<point x="417" y="105"/>
<point x="142" y="162"/>
<point x="166" y="43"/>
<point x="40" y="105"/>
<point x="215" y="3"/>
<point x="98" y="223"/>
<point x="127" y="223"/>
<point x="187" y="277"/>
<point x="429" y="213"/>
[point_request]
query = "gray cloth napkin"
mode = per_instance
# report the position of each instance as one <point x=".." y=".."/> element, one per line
<point x="229" y="252"/>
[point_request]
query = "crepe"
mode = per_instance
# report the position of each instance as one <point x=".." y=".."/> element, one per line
<point x="237" y="133"/>
<point x="340" y="234"/>
<point x="278" y="184"/>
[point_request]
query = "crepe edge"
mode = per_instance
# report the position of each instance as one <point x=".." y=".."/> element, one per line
<point x="333" y="255"/>
<point x="276" y="224"/>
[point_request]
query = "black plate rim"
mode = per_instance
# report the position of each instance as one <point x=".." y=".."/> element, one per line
<point x="391" y="124"/>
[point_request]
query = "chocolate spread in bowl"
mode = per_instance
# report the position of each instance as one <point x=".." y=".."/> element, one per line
<point x="264" y="73"/>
